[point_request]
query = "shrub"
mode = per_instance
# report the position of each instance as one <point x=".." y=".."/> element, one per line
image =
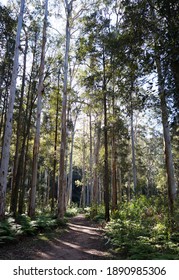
<point x="71" y="212"/>
<point x="28" y="227"/>
<point x="9" y="230"/>
<point x="140" y="230"/>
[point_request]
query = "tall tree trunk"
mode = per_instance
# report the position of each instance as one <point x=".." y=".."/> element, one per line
<point x="134" y="170"/>
<point x="8" y="129"/>
<point x="164" y="110"/>
<point x="84" y="168"/>
<point x="114" y="165"/>
<point x="2" y="121"/>
<point x="119" y="183"/>
<point x="166" y="134"/>
<point x="173" y="37"/>
<point x="71" y="169"/>
<point x="129" y="187"/>
<point x="62" y="179"/>
<point x="71" y="161"/>
<point x="96" y="162"/>
<point x="39" y="108"/>
<point x="21" y="170"/>
<point x="106" y="169"/>
<point x="15" y="188"/>
<point x="55" y="150"/>
<point x="90" y="160"/>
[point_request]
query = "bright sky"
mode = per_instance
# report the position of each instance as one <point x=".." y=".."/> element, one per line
<point x="4" y="2"/>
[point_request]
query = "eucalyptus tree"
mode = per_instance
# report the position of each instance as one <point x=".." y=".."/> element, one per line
<point x="97" y="145"/>
<point x="40" y="91"/>
<point x="7" y="44"/>
<point x="50" y="130"/>
<point x="152" y="42"/>
<point x="94" y="49"/>
<point x="62" y="178"/>
<point x="166" y="132"/>
<point x="163" y="92"/>
<point x="168" y="12"/>
<point x="23" y="174"/>
<point x="72" y="129"/>
<point x="8" y="127"/>
<point x="73" y="12"/>
<point x="19" y="129"/>
<point x="58" y="103"/>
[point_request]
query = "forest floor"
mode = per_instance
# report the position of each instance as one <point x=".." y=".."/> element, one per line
<point x="80" y="240"/>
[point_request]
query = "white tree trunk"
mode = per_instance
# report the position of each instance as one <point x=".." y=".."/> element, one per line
<point x="172" y="192"/>
<point x="8" y="126"/>
<point x="38" y="124"/>
<point x="167" y="139"/>
<point x="83" y="194"/>
<point x="62" y="178"/>
<point x="91" y="161"/>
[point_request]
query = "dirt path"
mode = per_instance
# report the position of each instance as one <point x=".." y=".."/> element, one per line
<point x="82" y="240"/>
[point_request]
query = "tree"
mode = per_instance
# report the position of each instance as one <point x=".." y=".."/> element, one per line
<point x="161" y="73"/>
<point x="40" y="91"/>
<point x="15" y="188"/>
<point x="167" y="138"/>
<point x="154" y="42"/>
<point x="23" y="170"/>
<point x="8" y="127"/>
<point x="62" y="177"/>
<point x="7" y="43"/>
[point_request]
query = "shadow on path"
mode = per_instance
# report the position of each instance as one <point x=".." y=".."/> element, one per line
<point x="82" y="240"/>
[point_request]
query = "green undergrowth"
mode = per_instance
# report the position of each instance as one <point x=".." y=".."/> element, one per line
<point x="72" y="211"/>
<point x="141" y="230"/>
<point x="95" y="213"/>
<point x="11" y="229"/>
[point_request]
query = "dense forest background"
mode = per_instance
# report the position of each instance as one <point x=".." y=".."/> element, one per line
<point x="89" y="110"/>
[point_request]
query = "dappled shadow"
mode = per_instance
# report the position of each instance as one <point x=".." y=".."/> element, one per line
<point x="82" y="240"/>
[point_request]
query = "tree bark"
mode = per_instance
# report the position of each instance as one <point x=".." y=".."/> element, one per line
<point x="21" y="170"/>
<point x="83" y="194"/>
<point x="96" y="162"/>
<point x="55" y="150"/>
<point x="38" y="124"/>
<point x="62" y="179"/>
<point x="71" y="161"/>
<point x="119" y="183"/>
<point x="90" y="161"/>
<point x="15" y="187"/>
<point x="134" y="170"/>
<point x="114" y="164"/>
<point x="164" y="111"/>
<point x="106" y="170"/>
<point x="8" y="128"/>
<point x="167" y="138"/>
